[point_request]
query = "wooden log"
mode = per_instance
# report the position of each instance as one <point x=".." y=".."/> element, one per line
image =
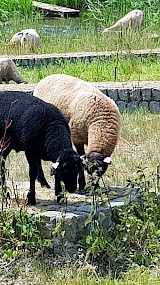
<point x="55" y="11"/>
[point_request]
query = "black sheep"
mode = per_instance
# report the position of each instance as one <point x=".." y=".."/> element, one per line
<point x="29" y="124"/>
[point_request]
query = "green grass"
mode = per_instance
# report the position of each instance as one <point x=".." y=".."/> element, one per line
<point x="80" y="38"/>
<point x="49" y="273"/>
<point x="128" y="69"/>
<point x="138" y="147"/>
<point x="8" y="8"/>
<point x="75" y="35"/>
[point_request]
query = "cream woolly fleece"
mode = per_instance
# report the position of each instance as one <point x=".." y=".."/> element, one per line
<point x="94" y="118"/>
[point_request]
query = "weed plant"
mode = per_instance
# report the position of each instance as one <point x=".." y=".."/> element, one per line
<point x="134" y="236"/>
<point x="20" y="235"/>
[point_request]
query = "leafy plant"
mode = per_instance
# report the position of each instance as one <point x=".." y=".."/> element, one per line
<point x="134" y="237"/>
<point x="19" y="234"/>
<point x="19" y="231"/>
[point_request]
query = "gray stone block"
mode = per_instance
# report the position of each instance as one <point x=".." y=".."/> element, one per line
<point x="132" y="106"/>
<point x="155" y="94"/>
<point x="31" y="62"/>
<point x="124" y="94"/>
<point x="144" y="104"/>
<point x="154" y="106"/>
<point x="45" y="61"/>
<point x="135" y="94"/>
<point x="25" y="62"/>
<point x="146" y="93"/>
<point x="121" y="105"/>
<point x="113" y="94"/>
<point x="103" y="90"/>
<point x="38" y="62"/>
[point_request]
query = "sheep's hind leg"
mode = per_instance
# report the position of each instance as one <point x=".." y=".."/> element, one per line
<point x="40" y="175"/>
<point x="81" y="178"/>
<point x="31" y="199"/>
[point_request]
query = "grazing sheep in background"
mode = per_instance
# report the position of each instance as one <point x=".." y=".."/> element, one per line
<point x="93" y="118"/>
<point x="132" y="20"/>
<point x="27" y="37"/>
<point x="8" y="71"/>
<point x="39" y="129"/>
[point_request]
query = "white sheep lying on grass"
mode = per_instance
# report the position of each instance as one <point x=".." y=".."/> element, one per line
<point x="132" y="20"/>
<point x="27" y="37"/>
<point x="94" y="119"/>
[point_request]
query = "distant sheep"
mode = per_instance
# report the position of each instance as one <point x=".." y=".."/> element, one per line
<point x="27" y="37"/>
<point x="94" y="119"/>
<point x="8" y="71"/>
<point x="132" y="20"/>
<point x="39" y="129"/>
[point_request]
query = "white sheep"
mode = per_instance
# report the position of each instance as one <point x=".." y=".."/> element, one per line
<point x="94" y="118"/>
<point x="27" y="37"/>
<point x="132" y="20"/>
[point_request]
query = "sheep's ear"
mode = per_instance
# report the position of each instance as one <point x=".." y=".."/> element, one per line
<point x="107" y="160"/>
<point x="54" y="167"/>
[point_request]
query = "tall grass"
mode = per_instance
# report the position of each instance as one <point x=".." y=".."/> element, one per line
<point x="8" y="8"/>
<point x="49" y="273"/>
<point x="108" y="12"/>
<point x="76" y="4"/>
<point x="74" y="35"/>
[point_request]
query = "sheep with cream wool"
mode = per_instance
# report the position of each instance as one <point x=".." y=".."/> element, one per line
<point x="132" y="20"/>
<point x="40" y="129"/>
<point x="27" y="37"/>
<point x="93" y="118"/>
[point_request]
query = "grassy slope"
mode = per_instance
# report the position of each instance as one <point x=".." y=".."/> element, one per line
<point x="131" y="69"/>
<point x="138" y="146"/>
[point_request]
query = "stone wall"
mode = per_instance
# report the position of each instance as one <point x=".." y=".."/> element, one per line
<point x="127" y="95"/>
<point x="133" y="95"/>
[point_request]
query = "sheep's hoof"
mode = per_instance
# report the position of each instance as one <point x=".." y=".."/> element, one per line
<point x="31" y="201"/>
<point x="46" y="185"/>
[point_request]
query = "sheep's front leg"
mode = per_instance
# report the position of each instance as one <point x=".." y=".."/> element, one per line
<point x="58" y="188"/>
<point x="31" y="199"/>
<point x="81" y="177"/>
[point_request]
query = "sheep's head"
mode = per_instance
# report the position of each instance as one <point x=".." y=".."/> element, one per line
<point x="67" y="167"/>
<point x="16" y="39"/>
<point x="95" y="163"/>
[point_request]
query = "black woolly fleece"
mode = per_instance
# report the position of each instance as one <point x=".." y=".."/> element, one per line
<point x="35" y="126"/>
